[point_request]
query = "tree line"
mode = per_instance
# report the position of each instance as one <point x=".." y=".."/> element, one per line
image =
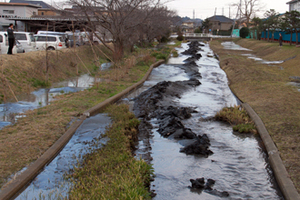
<point x="126" y="22"/>
<point x="273" y="21"/>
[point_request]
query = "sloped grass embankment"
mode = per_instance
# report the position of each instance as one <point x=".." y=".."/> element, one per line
<point x="265" y="89"/>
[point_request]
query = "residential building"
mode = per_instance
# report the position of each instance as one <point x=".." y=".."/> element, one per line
<point x="44" y="10"/>
<point x="220" y="23"/>
<point x="188" y="26"/>
<point x="294" y="5"/>
<point x="13" y="10"/>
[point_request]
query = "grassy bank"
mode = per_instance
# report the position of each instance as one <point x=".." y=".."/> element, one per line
<point x="25" y="141"/>
<point x="265" y="88"/>
<point x="23" y="73"/>
<point x="112" y="172"/>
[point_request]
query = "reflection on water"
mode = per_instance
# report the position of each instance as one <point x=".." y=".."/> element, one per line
<point x="250" y="56"/>
<point x="238" y="165"/>
<point x="296" y="84"/>
<point x="50" y="183"/>
<point x="10" y="112"/>
<point x="233" y="46"/>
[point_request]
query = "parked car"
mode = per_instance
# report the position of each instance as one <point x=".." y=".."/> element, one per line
<point x="49" y="42"/>
<point x="4" y="44"/>
<point x="27" y="40"/>
<point x="63" y="35"/>
<point x="19" y="47"/>
<point x="77" y="42"/>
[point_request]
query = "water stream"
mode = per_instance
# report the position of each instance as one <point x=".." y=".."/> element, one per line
<point x="239" y="164"/>
<point x="11" y="111"/>
<point x="50" y="183"/>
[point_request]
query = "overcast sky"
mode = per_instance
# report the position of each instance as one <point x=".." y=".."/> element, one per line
<point x="206" y="8"/>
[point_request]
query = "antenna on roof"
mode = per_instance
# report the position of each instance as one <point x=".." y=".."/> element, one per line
<point x="193" y="14"/>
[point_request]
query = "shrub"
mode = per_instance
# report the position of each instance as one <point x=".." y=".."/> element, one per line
<point x="244" y="32"/>
<point x="238" y="118"/>
<point x="180" y="38"/>
<point x="39" y="83"/>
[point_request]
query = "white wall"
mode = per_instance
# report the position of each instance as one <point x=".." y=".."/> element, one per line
<point x="295" y="6"/>
<point x="19" y="11"/>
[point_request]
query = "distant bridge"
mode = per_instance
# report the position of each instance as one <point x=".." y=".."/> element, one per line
<point x="201" y="36"/>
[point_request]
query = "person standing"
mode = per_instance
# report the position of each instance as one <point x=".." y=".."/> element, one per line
<point x="11" y="38"/>
<point x="280" y="39"/>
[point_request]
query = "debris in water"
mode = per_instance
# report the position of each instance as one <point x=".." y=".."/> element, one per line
<point x="198" y="185"/>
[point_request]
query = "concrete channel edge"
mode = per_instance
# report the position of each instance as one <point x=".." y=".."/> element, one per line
<point x="23" y="180"/>
<point x="282" y="177"/>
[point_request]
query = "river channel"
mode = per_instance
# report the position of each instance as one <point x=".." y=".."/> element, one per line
<point x="237" y="163"/>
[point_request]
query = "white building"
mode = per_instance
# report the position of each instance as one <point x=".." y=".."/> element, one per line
<point x="12" y="10"/>
<point x="294" y="5"/>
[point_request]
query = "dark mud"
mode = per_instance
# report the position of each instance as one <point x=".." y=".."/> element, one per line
<point x="155" y="104"/>
<point x="199" y="185"/>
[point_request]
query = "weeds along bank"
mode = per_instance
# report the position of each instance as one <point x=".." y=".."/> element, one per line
<point x="23" y="73"/>
<point x="266" y="89"/>
<point x="25" y="141"/>
<point x="112" y="172"/>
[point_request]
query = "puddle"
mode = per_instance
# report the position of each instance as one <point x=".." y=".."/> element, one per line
<point x="50" y="183"/>
<point x="171" y="43"/>
<point x="297" y="85"/>
<point x="238" y="164"/>
<point x="250" y="56"/>
<point x="10" y="112"/>
<point x="233" y="46"/>
<point x="105" y="66"/>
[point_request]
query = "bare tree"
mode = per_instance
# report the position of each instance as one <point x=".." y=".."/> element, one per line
<point x="119" y="19"/>
<point x="248" y="9"/>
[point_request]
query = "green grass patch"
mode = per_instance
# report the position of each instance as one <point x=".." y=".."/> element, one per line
<point x="238" y="118"/>
<point x="112" y="172"/>
<point x="175" y="54"/>
<point x="39" y="83"/>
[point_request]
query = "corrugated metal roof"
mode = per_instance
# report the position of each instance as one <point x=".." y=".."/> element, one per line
<point x="38" y="3"/>
<point x="19" y="4"/>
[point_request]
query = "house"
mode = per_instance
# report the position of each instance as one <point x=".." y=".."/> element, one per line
<point x="44" y="10"/>
<point x="188" y="26"/>
<point x="13" y="10"/>
<point x="220" y="23"/>
<point x="294" y="5"/>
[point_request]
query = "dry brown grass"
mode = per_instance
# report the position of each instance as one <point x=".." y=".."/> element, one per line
<point x="30" y="137"/>
<point x="20" y="70"/>
<point x="265" y="88"/>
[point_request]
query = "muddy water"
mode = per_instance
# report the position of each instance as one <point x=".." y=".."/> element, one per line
<point x="50" y="183"/>
<point x="10" y="112"/>
<point x="238" y="163"/>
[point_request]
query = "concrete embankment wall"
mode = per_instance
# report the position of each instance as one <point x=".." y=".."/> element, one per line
<point x="22" y="181"/>
<point x="282" y="177"/>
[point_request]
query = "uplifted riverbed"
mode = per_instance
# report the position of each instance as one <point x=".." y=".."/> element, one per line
<point x="188" y="149"/>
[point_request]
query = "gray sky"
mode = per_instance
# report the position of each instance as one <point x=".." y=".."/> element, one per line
<point x="206" y="8"/>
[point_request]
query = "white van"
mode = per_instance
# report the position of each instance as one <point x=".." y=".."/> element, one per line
<point x="27" y="40"/>
<point x="4" y="44"/>
<point x="62" y="34"/>
<point x="49" y="42"/>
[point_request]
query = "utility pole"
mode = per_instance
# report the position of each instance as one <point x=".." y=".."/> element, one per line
<point x="223" y="11"/>
<point x="229" y="13"/>
<point x="215" y="11"/>
<point x="193" y="14"/>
